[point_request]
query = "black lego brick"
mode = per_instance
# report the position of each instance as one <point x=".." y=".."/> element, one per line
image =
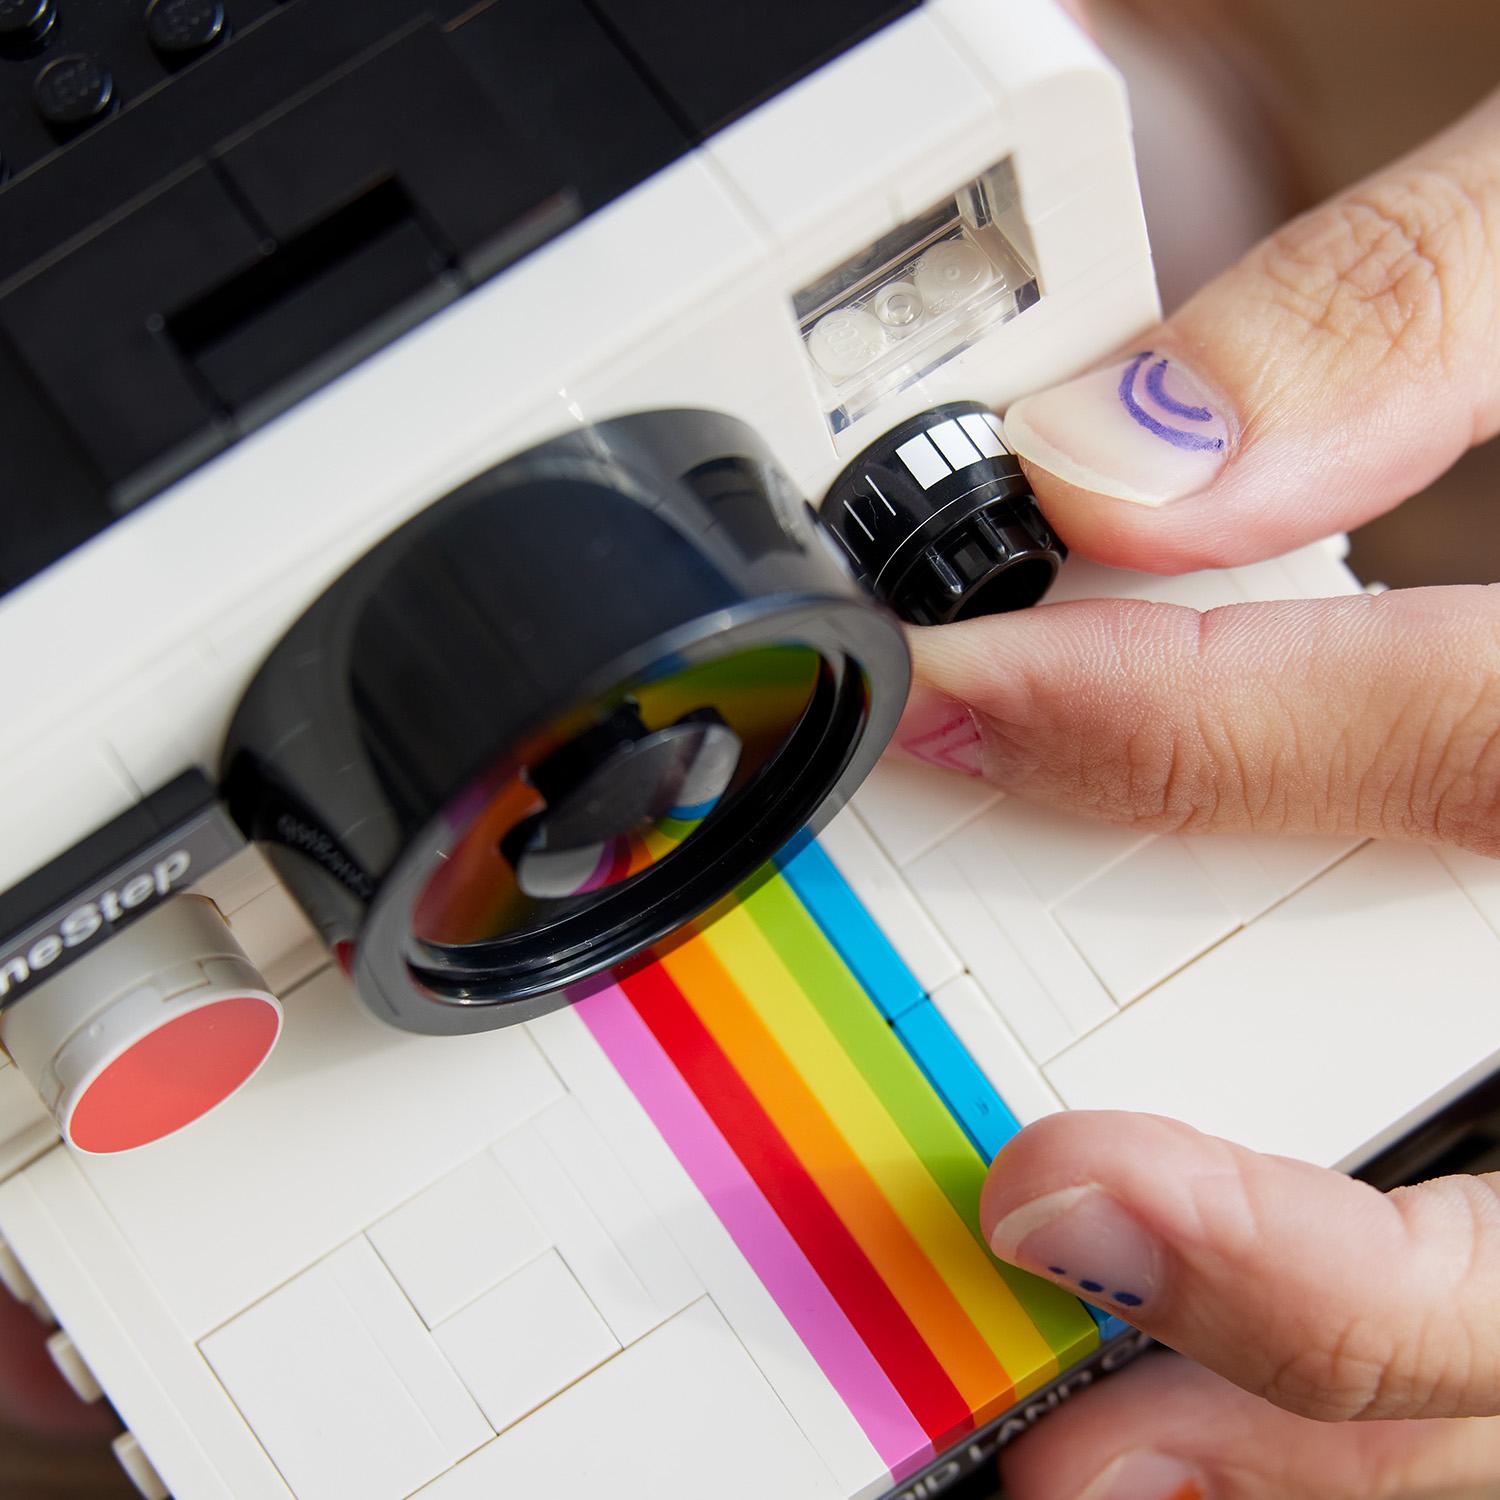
<point x="713" y="63"/>
<point x="51" y="500"/>
<point x="410" y="113"/>
<point x="91" y="328"/>
<point x="551" y="65"/>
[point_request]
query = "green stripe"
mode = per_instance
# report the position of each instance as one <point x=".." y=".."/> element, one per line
<point x="908" y="1098"/>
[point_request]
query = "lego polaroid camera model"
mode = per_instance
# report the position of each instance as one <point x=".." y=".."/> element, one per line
<point x="587" y="591"/>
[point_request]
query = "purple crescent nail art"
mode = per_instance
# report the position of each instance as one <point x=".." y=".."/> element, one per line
<point x="1156" y="391"/>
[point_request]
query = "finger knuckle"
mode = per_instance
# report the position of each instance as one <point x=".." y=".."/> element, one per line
<point x="1442" y="751"/>
<point x="1393" y="268"/>
<point x="1336" y="1379"/>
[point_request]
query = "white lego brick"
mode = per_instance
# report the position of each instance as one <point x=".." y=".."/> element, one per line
<point x="1365" y="999"/>
<point x="69" y="784"/>
<point x="887" y="897"/>
<point x="990" y="956"/>
<point x="826" y="173"/>
<point x="457" y="1238"/>
<point x="279" y="940"/>
<point x="525" y="1340"/>
<point x="571" y="1225"/>
<point x="910" y="807"/>
<point x="138" y="1469"/>
<point x="343" y="1385"/>
<point x="1099" y="223"/>
<point x="157" y="1381"/>
<point x="1067" y="103"/>
<point x="736" y="1290"/>
<point x="13" y="1276"/>
<point x="1253" y="872"/>
<point x="26" y="1128"/>
<point x="595" y="1171"/>
<point x="166" y="718"/>
<point x="683" y="1412"/>
<point x="978" y="857"/>
<point x="993" y="1046"/>
<point x="1480" y="879"/>
<point x="1054" y="852"/>
<point x="347" y="1119"/>
<point x="73" y="1368"/>
<point x="1145" y="918"/>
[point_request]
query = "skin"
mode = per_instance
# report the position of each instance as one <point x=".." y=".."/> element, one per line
<point x="1337" y="1333"/>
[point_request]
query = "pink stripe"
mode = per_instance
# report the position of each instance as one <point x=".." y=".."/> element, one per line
<point x="763" y="1239"/>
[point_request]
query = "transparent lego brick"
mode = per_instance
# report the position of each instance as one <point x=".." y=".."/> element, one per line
<point x="917" y="296"/>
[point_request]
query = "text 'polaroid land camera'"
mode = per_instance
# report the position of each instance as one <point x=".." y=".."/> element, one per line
<point x="486" y="465"/>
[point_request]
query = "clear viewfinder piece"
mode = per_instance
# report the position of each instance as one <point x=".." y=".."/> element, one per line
<point x="918" y="296"/>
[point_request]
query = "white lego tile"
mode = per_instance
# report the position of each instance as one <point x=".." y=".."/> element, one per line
<point x="1364" y="999"/>
<point x="26" y="1128"/>
<point x="980" y="857"/>
<point x="595" y="1171"/>
<point x="70" y="784"/>
<point x="1145" y="917"/>
<point x="1099" y="223"/>
<point x="737" y="1292"/>
<point x="1317" y="571"/>
<point x="827" y="174"/>
<point x="238" y="881"/>
<point x="525" y="1340"/>
<point x="570" y="1223"/>
<point x="1480" y="879"/>
<point x="886" y="896"/>
<point x="683" y="1412"/>
<point x="457" y="1238"/>
<point x="990" y="956"/>
<point x="1253" y="872"/>
<point x="1263" y="582"/>
<point x="279" y="940"/>
<point x="116" y="1314"/>
<point x="347" y="1119"/>
<point x="1054" y="852"/>
<point x="993" y="1046"/>
<point x="343" y="1385"/>
<point x="910" y="807"/>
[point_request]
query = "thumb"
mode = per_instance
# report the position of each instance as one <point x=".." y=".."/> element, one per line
<point x="1329" y="1298"/>
<point x="1338" y="368"/>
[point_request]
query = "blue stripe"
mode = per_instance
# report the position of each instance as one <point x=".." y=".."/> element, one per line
<point x="849" y="927"/>
<point x="968" y="1094"/>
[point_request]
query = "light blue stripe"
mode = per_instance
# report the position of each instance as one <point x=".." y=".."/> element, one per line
<point x="954" y="1074"/>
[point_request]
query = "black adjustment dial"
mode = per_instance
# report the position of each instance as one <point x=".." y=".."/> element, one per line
<point x="940" y="521"/>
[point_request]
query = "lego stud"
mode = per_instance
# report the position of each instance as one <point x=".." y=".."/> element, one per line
<point x="939" y="520"/>
<point x="147" y="1033"/>
<point x="24" y="24"/>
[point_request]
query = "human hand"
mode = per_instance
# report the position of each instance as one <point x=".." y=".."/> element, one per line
<point x="1338" y="368"/>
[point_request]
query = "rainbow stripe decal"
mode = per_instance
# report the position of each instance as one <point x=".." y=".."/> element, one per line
<point x="776" y="1047"/>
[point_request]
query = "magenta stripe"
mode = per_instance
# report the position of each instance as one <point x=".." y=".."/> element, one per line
<point x="753" y="1225"/>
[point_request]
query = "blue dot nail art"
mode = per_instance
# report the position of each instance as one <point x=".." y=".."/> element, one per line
<point x="1092" y="1286"/>
<point x="1127" y="1299"/>
<point x="1057" y="1270"/>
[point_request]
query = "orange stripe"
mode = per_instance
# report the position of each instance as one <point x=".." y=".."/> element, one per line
<point x="841" y="1175"/>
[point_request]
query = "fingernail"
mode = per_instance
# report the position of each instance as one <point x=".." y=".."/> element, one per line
<point x="1082" y="1239"/>
<point x="942" y="732"/>
<point x="1146" y="430"/>
<point x="1143" y="1475"/>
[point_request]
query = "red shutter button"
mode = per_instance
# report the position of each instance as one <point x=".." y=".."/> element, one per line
<point x="152" y="1030"/>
